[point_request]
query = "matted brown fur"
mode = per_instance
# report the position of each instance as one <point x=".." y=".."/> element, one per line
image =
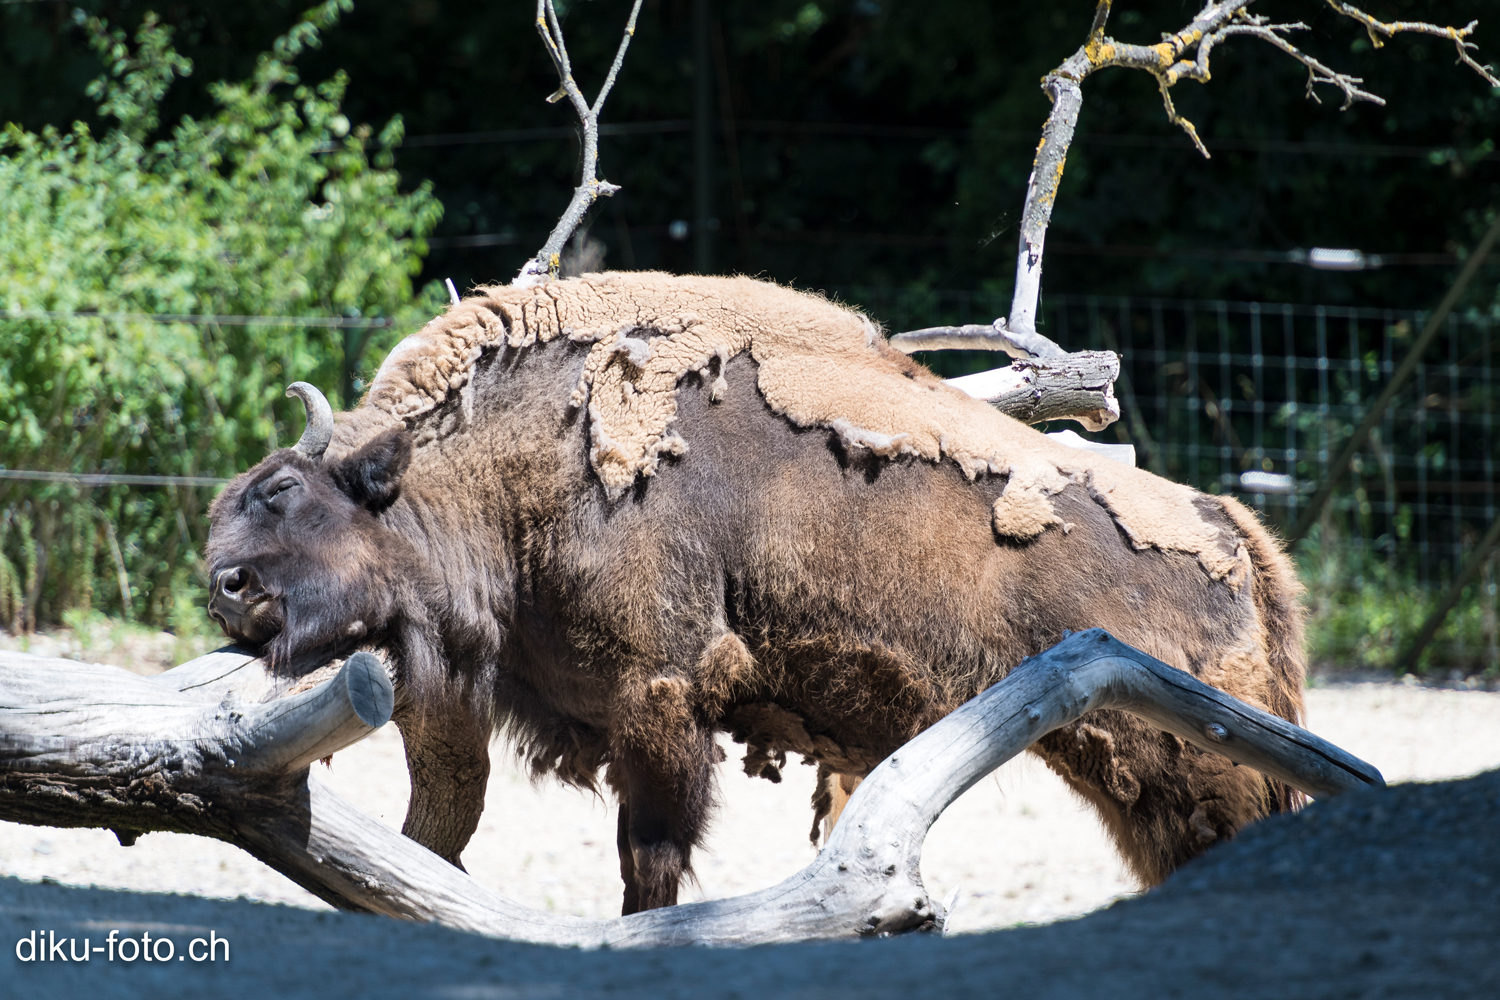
<point x="641" y="510"/>
<point x="819" y="365"/>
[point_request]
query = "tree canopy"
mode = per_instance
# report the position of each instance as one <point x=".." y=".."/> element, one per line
<point x="887" y="142"/>
<point x="269" y="205"/>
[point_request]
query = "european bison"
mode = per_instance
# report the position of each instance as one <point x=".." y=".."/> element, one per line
<point x="614" y="515"/>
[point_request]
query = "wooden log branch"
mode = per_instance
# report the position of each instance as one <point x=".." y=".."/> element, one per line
<point x="1043" y="383"/>
<point x="996" y="336"/>
<point x="1077" y="387"/>
<point x="95" y="746"/>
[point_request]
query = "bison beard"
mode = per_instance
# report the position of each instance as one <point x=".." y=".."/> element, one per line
<point x="779" y="582"/>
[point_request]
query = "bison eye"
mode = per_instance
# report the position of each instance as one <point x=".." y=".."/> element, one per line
<point x="278" y="494"/>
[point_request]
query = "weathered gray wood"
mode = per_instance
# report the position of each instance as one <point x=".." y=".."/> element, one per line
<point x="1043" y="383"/>
<point x="1077" y="387"/>
<point x="60" y="759"/>
<point x="996" y="336"/>
<point x="67" y="717"/>
<point x="591" y="187"/>
<point x="97" y="746"/>
<point x="214" y="675"/>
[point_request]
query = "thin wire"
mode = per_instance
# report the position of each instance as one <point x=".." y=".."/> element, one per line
<point x="917" y="132"/>
<point x="205" y="319"/>
<point x="108" y="478"/>
<point x="835" y="237"/>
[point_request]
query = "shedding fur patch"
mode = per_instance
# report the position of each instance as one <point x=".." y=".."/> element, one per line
<point x="820" y="365"/>
<point x="722" y="669"/>
<point x="1023" y="510"/>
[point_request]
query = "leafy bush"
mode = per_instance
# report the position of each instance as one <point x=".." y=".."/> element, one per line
<point x="1364" y="612"/>
<point x="273" y="206"/>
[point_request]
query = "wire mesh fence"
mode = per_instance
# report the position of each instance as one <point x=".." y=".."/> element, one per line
<point x="1250" y="398"/>
<point x="1257" y="399"/>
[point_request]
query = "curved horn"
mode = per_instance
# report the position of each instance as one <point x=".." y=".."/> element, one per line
<point x="319" y="429"/>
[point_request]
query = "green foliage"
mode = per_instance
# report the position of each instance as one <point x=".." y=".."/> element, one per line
<point x="926" y="186"/>
<point x="1363" y="613"/>
<point x="270" y="206"/>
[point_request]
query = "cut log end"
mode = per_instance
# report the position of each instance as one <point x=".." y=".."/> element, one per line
<point x="1077" y="387"/>
<point x="371" y="694"/>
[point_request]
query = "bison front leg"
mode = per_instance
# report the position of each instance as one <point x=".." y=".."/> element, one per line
<point x="663" y="775"/>
<point x="448" y="760"/>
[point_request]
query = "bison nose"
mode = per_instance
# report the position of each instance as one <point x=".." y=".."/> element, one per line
<point x="236" y="583"/>
<point x="231" y="582"/>
<point x="242" y="606"/>
<point x="235" y="591"/>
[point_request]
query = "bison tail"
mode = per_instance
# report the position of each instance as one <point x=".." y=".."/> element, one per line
<point x="1277" y="593"/>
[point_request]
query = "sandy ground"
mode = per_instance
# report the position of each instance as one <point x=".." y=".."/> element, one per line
<point x="1019" y="847"/>
<point x="109" y="640"/>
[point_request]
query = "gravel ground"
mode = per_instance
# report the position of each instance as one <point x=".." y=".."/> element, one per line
<point x="1381" y="893"/>
<point x="1019" y="846"/>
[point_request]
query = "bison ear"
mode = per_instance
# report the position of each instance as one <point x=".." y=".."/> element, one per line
<point x="371" y="476"/>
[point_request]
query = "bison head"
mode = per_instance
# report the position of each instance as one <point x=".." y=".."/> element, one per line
<point x="299" y="563"/>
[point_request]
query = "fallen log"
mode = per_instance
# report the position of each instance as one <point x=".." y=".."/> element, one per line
<point x="95" y="746"/>
<point x="91" y="745"/>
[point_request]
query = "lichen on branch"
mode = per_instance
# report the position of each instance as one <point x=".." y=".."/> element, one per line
<point x="1182" y="55"/>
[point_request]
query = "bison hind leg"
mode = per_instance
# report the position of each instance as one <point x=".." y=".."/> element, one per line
<point x="830" y="796"/>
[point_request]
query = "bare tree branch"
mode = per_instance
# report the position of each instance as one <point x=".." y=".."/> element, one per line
<point x="1077" y="387"/>
<point x="1043" y="383"/>
<point x="1180" y="56"/>
<point x="976" y="337"/>
<point x="1379" y="30"/>
<point x="591" y="187"/>
<point x="1317" y="72"/>
<point x="197" y="750"/>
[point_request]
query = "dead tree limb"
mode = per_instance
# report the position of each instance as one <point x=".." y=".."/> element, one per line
<point x="85" y="745"/>
<point x="1183" y="55"/>
<point x="1077" y="387"/>
<point x="591" y="186"/>
<point x="1180" y="56"/>
<point x="995" y="336"/>
<point x="1043" y="383"/>
<point x="1381" y="30"/>
<point x="94" y="745"/>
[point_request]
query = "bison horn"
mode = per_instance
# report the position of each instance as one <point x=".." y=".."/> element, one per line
<point x="319" y="429"/>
